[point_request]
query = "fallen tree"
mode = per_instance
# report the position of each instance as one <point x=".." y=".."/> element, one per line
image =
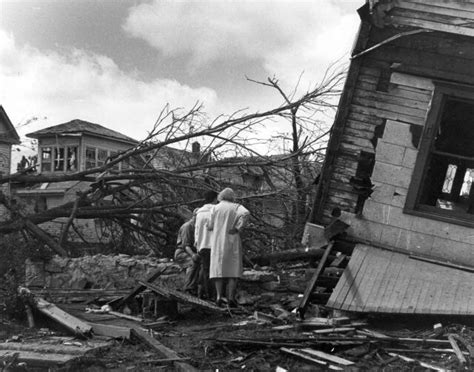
<point x="143" y="201"/>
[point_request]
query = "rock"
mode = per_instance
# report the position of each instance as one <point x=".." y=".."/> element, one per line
<point x="34" y="273"/>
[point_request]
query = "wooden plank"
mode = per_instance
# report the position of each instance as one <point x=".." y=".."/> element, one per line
<point x="457" y="350"/>
<point x="328" y="357"/>
<point x="412" y="81"/>
<point x="390" y="98"/>
<point x="456" y="5"/>
<point x="163" y="350"/>
<point x="39" y="359"/>
<point x="345" y="282"/>
<point x="430" y="25"/>
<point x="377" y="286"/>
<point x="437" y="8"/>
<point x="306" y="357"/>
<point x="394" y="269"/>
<point x="384" y="114"/>
<point x="392" y="107"/>
<point x="353" y="298"/>
<point x="110" y="330"/>
<point x="423" y="364"/>
<point x="301" y="309"/>
<point x="72" y="323"/>
<point x="400" y="287"/>
<point x="139" y="288"/>
<point x="183" y="297"/>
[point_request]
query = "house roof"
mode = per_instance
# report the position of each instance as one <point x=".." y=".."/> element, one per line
<point x="383" y="281"/>
<point x="78" y="126"/>
<point x="10" y="135"/>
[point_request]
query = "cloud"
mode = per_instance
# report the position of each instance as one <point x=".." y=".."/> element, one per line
<point x="285" y="37"/>
<point x="77" y="84"/>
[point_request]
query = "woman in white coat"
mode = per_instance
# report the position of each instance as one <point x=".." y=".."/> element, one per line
<point x="226" y="220"/>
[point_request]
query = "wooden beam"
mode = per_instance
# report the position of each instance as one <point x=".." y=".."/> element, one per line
<point x="110" y="330"/>
<point x="72" y="323"/>
<point x="116" y="304"/>
<point x="309" y="289"/>
<point x="163" y="350"/>
<point x="456" y="349"/>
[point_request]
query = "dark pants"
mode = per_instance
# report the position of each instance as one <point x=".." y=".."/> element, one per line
<point x="184" y="260"/>
<point x="203" y="286"/>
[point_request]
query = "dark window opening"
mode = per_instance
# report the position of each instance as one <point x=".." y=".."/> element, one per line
<point x="71" y="164"/>
<point x="449" y="175"/>
<point x="46" y="153"/>
<point x="441" y="186"/>
<point x="91" y="157"/>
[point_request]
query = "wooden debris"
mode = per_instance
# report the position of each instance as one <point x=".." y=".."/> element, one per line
<point x="301" y="309"/>
<point x="125" y="316"/>
<point x="456" y="349"/>
<point x="183" y="297"/>
<point x="328" y="357"/>
<point x="116" y="304"/>
<point x="110" y="330"/>
<point x="163" y="350"/>
<point x="306" y="357"/>
<point x="334" y="330"/>
<point x="291" y="255"/>
<point x="423" y="364"/>
<point x="72" y="323"/>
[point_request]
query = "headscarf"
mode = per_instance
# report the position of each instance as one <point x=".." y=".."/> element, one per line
<point x="226" y="194"/>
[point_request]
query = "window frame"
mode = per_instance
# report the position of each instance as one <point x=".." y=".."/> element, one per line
<point x="55" y="158"/>
<point x="442" y="91"/>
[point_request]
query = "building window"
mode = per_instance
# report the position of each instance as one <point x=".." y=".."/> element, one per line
<point x="101" y="157"/>
<point x="91" y="161"/>
<point x="71" y="160"/>
<point x="441" y="185"/>
<point x="46" y="156"/>
<point x="59" y="159"/>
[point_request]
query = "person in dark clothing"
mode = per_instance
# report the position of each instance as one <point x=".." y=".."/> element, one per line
<point x="186" y="255"/>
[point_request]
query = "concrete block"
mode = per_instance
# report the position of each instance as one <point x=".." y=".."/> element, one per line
<point x="409" y="158"/>
<point x="382" y="193"/>
<point x="397" y="133"/>
<point x="392" y="174"/>
<point x="364" y="229"/>
<point x="389" y="153"/>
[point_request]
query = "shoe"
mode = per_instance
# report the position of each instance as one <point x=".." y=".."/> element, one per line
<point x="219" y="302"/>
<point x="232" y="304"/>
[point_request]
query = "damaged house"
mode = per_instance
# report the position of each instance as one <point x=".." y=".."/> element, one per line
<point x="8" y="137"/>
<point x="67" y="148"/>
<point x="400" y="161"/>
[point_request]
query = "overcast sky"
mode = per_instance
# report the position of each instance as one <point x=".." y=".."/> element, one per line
<point x="117" y="62"/>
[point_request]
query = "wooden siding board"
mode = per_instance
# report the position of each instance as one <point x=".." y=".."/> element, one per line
<point x="380" y="280"/>
<point x="365" y="118"/>
<point x="391" y="282"/>
<point x="379" y="265"/>
<point x="384" y="114"/>
<point x="355" y="298"/>
<point x="398" y="19"/>
<point x="391" y="98"/>
<point x="437" y="8"/>
<point x="344" y="284"/>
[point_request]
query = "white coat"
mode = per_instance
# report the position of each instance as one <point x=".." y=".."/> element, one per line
<point x="202" y="235"/>
<point x="226" y="249"/>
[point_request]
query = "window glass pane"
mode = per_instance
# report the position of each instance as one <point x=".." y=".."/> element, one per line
<point x="112" y="154"/>
<point x="90" y="157"/>
<point x="71" y="159"/>
<point x="101" y="157"/>
<point x="46" y="153"/>
<point x="59" y="159"/>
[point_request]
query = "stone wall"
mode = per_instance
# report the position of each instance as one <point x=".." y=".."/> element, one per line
<point x="99" y="272"/>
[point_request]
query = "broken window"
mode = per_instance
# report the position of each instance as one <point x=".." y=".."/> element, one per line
<point x="71" y="160"/>
<point x="59" y="159"/>
<point x="444" y="171"/>
<point x="91" y="157"/>
<point x="101" y="157"/>
<point x="46" y="156"/>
